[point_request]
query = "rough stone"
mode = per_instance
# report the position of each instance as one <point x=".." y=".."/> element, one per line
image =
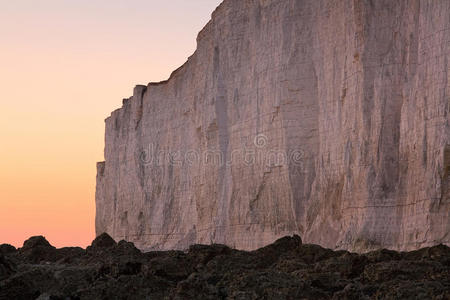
<point x="286" y="269"/>
<point x="35" y="242"/>
<point x="7" y="248"/>
<point x="103" y="241"/>
<point x="324" y="118"/>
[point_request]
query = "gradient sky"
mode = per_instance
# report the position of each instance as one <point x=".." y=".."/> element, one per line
<point x="64" y="66"/>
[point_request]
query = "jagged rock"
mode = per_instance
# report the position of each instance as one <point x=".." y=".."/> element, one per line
<point x="328" y="119"/>
<point x="35" y="242"/>
<point x="37" y="249"/>
<point x="286" y="269"/>
<point x="103" y="241"/>
<point x="286" y="243"/>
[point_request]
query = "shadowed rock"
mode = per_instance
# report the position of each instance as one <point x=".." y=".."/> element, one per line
<point x="6" y="267"/>
<point x="101" y="243"/>
<point x="35" y="242"/>
<point x="7" y="248"/>
<point x="286" y="269"/>
<point x="37" y="249"/>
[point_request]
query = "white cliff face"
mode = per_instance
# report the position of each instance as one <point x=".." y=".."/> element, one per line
<point x="331" y="119"/>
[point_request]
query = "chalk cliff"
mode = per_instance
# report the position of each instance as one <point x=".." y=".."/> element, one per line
<point x="324" y="118"/>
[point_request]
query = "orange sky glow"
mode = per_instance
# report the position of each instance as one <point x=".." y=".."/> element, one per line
<point x="64" y="66"/>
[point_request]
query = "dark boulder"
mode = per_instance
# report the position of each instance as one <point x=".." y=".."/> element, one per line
<point x="36" y="242"/>
<point x="7" y="249"/>
<point x="103" y="241"/>
<point x="36" y="250"/>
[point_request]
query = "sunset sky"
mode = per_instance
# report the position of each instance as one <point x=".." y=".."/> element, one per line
<point x="64" y="66"/>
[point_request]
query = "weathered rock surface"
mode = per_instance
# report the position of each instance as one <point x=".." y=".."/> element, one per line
<point x="286" y="269"/>
<point x="331" y="119"/>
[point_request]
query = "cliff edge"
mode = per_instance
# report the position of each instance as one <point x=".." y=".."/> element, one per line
<point x="328" y="119"/>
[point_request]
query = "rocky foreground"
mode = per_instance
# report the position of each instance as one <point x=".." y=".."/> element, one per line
<point x="286" y="269"/>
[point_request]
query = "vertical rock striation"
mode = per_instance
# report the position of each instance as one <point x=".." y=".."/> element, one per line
<point x="325" y="118"/>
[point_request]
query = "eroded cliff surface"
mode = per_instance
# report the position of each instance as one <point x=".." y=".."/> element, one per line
<point x="328" y="119"/>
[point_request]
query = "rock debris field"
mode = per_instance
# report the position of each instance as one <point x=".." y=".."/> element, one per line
<point x="286" y="269"/>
